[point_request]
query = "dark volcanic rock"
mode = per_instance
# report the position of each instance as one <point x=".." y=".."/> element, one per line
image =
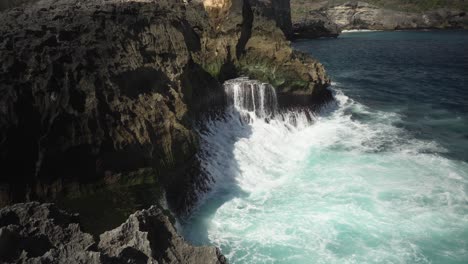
<point x="7" y="4"/>
<point x="41" y="233"/>
<point x="94" y="90"/>
<point x="149" y="236"/>
<point x="103" y="93"/>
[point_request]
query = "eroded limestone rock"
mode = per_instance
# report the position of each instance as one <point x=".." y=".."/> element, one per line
<point x="324" y="19"/>
<point x="150" y="236"/>
<point x="41" y="233"/>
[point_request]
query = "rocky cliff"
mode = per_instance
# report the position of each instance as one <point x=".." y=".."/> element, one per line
<point x="41" y="233"/>
<point x="326" y="19"/>
<point x="99" y="93"/>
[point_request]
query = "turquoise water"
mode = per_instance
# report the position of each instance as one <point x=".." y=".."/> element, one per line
<point x="379" y="176"/>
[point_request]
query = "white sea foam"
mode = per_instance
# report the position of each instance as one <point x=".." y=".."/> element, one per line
<point x="358" y="30"/>
<point x="328" y="189"/>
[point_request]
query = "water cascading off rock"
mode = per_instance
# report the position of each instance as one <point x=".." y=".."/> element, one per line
<point x="251" y="98"/>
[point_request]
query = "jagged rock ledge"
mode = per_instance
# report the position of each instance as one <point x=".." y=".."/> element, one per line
<point x="41" y="233"/>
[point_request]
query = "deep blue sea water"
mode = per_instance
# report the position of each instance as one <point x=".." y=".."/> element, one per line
<point x="421" y="76"/>
<point x="379" y="176"/>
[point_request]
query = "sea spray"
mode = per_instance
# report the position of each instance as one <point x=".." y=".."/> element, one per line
<point x="251" y="98"/>
<point x="298" y="188"/>
<point x="249" y="102"/>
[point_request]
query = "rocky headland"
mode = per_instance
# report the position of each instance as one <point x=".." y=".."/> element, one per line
<point x="94" y="92"/>
<point x="327" y="19"/>
<point x="99" y="98"/>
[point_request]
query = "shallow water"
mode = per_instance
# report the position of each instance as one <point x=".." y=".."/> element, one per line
<point x="379" y="176"/>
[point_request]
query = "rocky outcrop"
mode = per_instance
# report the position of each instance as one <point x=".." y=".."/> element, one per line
<point x="256" y="47"/>
<point x="41" y="233"/>
<point x="327" y="19"/>
<point x="360" y="15"/>
<point x="149" y="236"/>
<point x="278" y="10"/>
<point x="35" y="233"/>
<point x="96" y="90"/>
<point x="315" y="24"/>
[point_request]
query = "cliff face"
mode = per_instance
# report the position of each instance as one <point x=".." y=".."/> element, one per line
<point x="41" y="233"/>
<point x="96" y="93"/>
<point x="325" y="19"/>
<point x="361" y="15"/>
<point x="315" y="24"/>
<point x="94" y="88"/>
<point x="277" y="10"/>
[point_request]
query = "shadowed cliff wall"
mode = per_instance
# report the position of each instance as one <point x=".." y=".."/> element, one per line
<point x="104" y="92"/>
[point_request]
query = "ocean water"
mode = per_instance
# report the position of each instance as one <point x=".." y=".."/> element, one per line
<point x="380" y="175"/>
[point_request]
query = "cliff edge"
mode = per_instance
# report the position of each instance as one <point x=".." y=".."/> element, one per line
<point x="100" y="96"/>
<point x="103" y="93"/>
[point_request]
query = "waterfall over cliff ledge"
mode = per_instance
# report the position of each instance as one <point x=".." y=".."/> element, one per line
<point x="254" y="100"/>
<point x="287" y="186"/>
<point x="252" y="110"/>
<point x="251" y="98"/>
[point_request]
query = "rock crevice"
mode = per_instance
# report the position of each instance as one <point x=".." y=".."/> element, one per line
<point x="93" y="89"/>
<point x="42" y="233"/>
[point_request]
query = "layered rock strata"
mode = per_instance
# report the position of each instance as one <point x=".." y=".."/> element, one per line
<point x="327" y="20"/>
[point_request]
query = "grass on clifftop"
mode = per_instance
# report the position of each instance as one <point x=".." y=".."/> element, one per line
<point x="299" y="7"/>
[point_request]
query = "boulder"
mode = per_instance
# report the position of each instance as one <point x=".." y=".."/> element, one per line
<point x="148" y="236"/>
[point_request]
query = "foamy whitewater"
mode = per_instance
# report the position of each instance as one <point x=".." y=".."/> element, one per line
<point x="378" y="176"/>
<point x="299" y="188"/>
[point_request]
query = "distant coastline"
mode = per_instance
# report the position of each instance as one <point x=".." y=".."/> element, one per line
<point x="315" y="19"/>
